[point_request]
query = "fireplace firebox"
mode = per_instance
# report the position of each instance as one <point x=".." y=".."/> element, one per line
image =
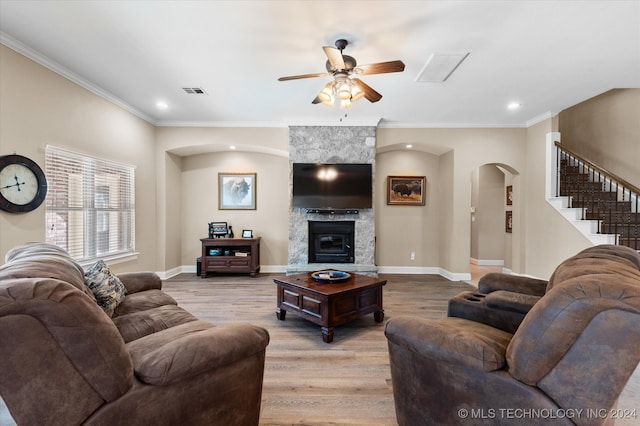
<point x="331" y="242"/>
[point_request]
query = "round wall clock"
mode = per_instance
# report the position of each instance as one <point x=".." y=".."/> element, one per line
<point x="23" y="186"/>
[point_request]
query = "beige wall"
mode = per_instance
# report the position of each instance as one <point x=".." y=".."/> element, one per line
<point x="199" y="202"/>
<point x="606" y="130"/>
<point x="403" y="229"/>
<point x="39" y="107"/>
<point x="461" y="152"/>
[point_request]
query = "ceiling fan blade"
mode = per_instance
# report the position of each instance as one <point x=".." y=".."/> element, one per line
<point x="335" y="57"/>
<point x="380" y="68"/>
<point x="369" y="93"/>
<point x="297" y="77"/>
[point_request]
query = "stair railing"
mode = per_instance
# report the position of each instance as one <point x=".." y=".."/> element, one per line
<point x="602" y="195"/>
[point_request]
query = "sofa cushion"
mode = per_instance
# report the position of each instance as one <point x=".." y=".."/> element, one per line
<point x="81" y="330"/>
<point x="190" y="349"/>
<point x="591" y="263"/>
<point x="55" y="265"/>
<point x="142" y="301"/>
<point x="135" y="325"/>
<point x="452" y="340"/>
<point x="105" y="286"/>
<point x="545" y="336"/>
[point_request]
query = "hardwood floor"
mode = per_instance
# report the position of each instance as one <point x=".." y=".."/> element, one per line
<point x="347" y="382"/>
<point x="307" y="381"/>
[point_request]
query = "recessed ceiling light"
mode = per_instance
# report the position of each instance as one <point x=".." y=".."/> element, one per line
<point x="162" y="105"/>
<point x="513" y="105"/>
<point x="409" y="146"/>
<point x="232" y="147"/>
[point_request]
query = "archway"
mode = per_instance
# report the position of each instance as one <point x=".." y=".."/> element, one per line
<point x="491" y="216"/>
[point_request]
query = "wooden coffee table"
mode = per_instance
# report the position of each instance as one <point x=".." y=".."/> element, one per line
<point x="329" y="304"/>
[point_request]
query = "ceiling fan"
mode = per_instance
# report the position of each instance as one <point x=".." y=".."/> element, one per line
<point x="344" y="69"/>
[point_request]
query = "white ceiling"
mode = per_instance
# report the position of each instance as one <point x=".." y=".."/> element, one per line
<point x="546" y="55"/>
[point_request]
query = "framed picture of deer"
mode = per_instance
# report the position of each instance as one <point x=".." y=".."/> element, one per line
<point x="406" y="190"/>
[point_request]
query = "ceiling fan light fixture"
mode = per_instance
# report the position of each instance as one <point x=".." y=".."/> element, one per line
<point x="326" y="94"/>
<point x="345" y="103"/>
<point x="356" y="94"/>
<point x="344" y="93"/>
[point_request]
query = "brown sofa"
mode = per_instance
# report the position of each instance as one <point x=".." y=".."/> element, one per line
<point x="503" y="300"/>
<point x="566" y="363"/>
<point x="64" y="361"/>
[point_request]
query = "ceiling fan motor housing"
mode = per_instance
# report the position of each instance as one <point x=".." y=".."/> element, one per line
<point x="349" y="64"/>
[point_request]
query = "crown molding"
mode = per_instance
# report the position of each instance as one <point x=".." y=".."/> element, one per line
<point x="47" y="62"/>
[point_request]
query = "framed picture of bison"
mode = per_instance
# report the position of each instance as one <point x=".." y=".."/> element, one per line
<point x="237" y="191"/>
<point x="406" y="190"/>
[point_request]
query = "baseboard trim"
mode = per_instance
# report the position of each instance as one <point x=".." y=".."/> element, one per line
<point x="277" y="269"/>
<point x="487" y="262"/>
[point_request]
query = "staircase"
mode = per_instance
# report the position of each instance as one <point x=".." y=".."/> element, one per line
<point x="608" y="204"/>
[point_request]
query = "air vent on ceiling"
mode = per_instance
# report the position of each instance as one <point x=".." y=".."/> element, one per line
<point x="440" y="66"/>
<point x="194" y="90"/>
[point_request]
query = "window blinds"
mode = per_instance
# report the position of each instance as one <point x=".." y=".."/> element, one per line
<point x="90" y="205"/>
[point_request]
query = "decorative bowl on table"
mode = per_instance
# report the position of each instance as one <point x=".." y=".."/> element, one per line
<point x="330" y="276"/>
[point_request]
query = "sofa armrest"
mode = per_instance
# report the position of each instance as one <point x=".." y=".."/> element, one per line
<point x="495" y="281"/>
<point x="511" y="301"/>
<point x="136" y="282"/>
<point x="195" y="352"/>
<point x="452" y="340"/>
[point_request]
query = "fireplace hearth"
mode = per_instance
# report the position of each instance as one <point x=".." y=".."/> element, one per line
<point x="331" y="242"/>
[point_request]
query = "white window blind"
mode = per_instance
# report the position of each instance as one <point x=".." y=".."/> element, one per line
<point x="90" y="205"/>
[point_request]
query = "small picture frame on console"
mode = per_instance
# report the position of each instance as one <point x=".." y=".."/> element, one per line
<point x="218" y="229"/>
<point x="247" y="233"/>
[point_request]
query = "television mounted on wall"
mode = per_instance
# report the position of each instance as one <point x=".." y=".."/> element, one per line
<point x="332" y="186"/>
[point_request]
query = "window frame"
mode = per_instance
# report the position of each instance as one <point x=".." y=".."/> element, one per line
<point x="87" y="192"/>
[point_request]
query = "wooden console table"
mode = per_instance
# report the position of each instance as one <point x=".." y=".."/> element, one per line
<point x="230" y="255"/>
<point x="329" y="304"/>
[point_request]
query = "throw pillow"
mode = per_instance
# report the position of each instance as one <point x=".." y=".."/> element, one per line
<point x="105" y="286"/>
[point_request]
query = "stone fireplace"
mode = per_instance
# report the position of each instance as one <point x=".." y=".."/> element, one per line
<point x="328" y="144"/>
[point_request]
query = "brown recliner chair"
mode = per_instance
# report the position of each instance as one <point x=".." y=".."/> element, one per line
<point x="503" y="300"/>
<point x="567" y="363"/>
<point x="63" y="360"/>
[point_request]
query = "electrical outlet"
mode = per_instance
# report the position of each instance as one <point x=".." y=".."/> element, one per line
<point x="413" y="255"/>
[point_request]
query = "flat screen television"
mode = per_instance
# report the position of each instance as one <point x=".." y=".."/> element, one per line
<point x="332" y="186"/>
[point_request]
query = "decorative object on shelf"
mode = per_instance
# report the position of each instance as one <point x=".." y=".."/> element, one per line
<point x="330" y="276"/>
<point x="509" y="195"/>
<point x="406" y="190"/>
<point x="508" y="222"/>
<point x="247" y="233"/>
<point x="217" y="229"/>
<point x="23" y="185"/>
<point x="237" y="191"/>
<point x="230" y="233"/>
